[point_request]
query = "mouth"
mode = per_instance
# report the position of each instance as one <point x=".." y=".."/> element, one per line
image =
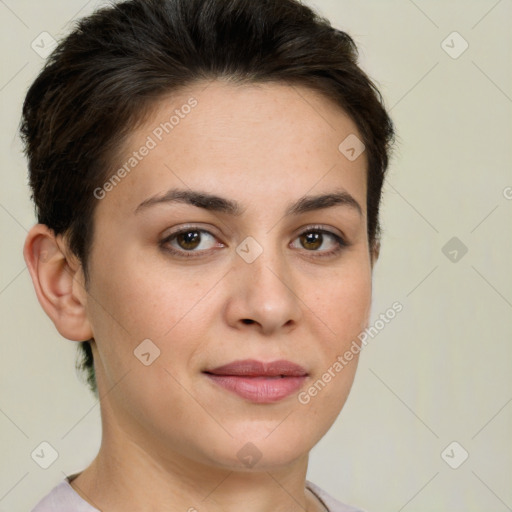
<point x="258" y="381"/>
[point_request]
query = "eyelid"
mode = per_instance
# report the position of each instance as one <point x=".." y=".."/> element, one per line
<point x="321" y="227"/>
<point x="192" y="227"/>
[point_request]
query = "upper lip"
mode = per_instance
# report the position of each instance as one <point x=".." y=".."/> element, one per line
<point x="253" y="368"/>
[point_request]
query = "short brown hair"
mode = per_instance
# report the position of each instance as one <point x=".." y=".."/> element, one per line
<point x="103" y="78"/>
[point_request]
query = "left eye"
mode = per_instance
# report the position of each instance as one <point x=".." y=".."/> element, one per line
<point x="313" y="240"/>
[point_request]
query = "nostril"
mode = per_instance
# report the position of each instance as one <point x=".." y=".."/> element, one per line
<point x="247" y="321"/>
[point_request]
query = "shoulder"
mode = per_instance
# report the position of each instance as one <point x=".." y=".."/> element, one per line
<point x="63" y="498"/>
<point x="332" y="504"/>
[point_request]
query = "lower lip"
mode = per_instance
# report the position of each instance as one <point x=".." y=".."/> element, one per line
<point x="259" y="389"/>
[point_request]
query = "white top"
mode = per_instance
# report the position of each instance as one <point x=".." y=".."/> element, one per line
<point x="63" y="498"/>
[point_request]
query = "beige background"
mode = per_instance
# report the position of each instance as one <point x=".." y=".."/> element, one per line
<point x="439" y="372"/>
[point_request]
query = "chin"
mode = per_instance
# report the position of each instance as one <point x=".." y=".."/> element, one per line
<point x="256" y="447"/>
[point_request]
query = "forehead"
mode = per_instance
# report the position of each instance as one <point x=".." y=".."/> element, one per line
<point x="239" y="139"/>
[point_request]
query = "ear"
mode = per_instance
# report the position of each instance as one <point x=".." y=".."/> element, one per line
<point x="59" y="282"/>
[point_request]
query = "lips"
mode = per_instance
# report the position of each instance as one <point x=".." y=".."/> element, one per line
<point x="257" y="381"/>
<point x="253" y="368"/>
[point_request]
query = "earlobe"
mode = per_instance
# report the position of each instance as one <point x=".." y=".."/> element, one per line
<point x="58" y="281"/>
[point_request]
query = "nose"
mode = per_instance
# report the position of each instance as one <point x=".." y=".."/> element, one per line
<point x="263" y="294"/>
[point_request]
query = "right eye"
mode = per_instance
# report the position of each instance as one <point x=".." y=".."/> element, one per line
<point x="188" y="242"/>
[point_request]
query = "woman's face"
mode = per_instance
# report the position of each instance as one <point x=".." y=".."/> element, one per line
<point x="258" y="275"/>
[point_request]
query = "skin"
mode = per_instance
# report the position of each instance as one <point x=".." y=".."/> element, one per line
<point x="170" y="435"/>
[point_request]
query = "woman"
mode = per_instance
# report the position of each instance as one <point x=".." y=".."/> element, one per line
<point x="207" y="177"/>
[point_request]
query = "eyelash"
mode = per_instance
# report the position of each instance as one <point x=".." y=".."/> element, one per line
<point x="341" y="243"/>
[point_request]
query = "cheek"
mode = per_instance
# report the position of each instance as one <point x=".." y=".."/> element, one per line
<point x="142" y="302"/>
<point x="344" y="310"/>
<point x="134" y="301"/>
<point x="125" y="309"/>
<point x="344" y="306"/>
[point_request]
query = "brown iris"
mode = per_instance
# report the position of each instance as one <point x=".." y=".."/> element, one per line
<point x="311" y="240"/>
<point x="188" y="239"/>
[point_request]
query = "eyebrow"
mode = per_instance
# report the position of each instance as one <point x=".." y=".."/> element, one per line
<point x="223" y="205"/>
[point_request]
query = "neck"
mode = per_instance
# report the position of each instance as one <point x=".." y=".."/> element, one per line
<point x="125" y="475"/>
